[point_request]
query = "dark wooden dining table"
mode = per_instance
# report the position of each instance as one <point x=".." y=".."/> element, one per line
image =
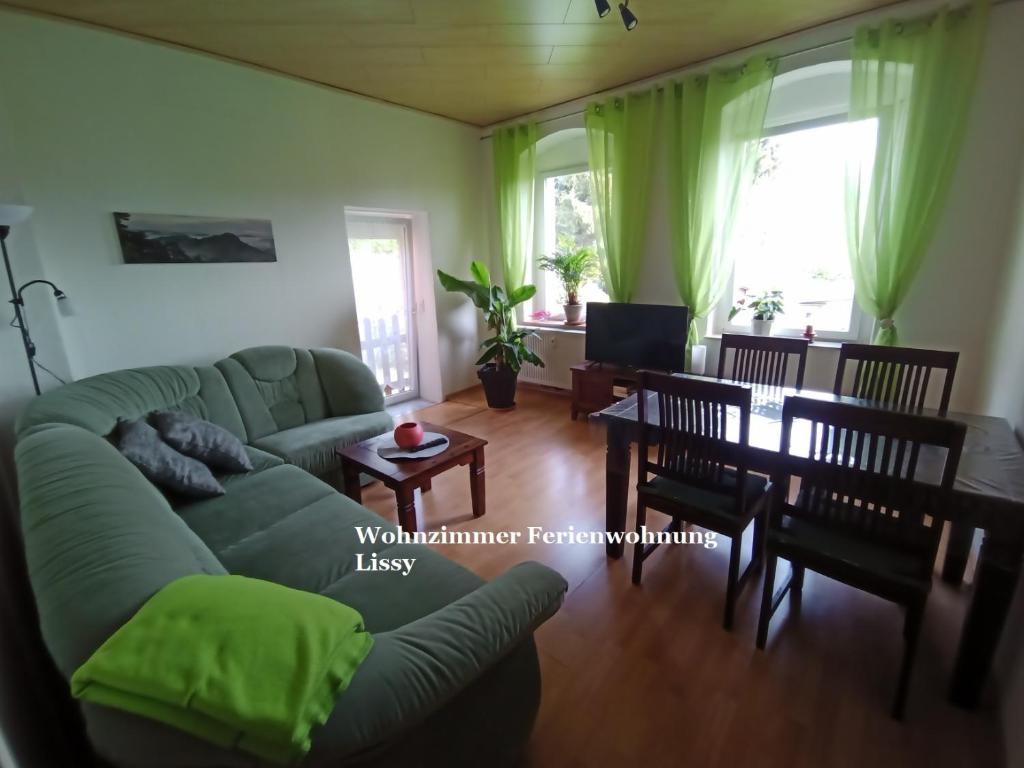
<point x="988" y="495"/>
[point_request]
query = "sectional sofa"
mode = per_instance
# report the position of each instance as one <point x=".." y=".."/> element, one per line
<point x="452" y="679"/>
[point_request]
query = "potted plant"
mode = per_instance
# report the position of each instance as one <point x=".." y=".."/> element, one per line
<point x="573" y="267"/>
<point x="764" y="306"/>
<point x="505" y="351"/>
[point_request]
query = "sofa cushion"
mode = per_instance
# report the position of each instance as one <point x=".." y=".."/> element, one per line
<point x="254" y="502"/>
<point x="314" y="548"/>
<point x="311" y="446"/>
<point x="275" y="388"/>
<point x="202" y="440"/>
<point x="261" y="460"/>
<point x="349" y="384"/>
<point x="100" y="540"/>
<point x="97" y="402"/>
<point x="162" y="465"/>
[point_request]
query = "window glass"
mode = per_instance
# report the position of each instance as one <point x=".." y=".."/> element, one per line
<point x="791" y="234"/>
<point x="567" y="224"/>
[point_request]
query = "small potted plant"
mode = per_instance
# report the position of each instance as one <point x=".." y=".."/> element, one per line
<point x="505" y="351"/>
<point x="573" y="267"/>
<point x="764" y="306"/>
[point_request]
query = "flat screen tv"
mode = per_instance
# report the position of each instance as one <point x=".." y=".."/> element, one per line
<point x="637" y="335"/>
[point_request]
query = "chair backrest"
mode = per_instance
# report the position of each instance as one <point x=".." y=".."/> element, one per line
<point x="874" y="474"/>
<point x="762" y="359"/>
<point x="692" y="434"/>
<point x="898" y="376"/>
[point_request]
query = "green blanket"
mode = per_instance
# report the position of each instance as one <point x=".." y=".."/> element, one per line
<point x="237" y="661"/>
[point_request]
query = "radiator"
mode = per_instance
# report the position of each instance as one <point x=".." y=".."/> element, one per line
<point x="558" y="350"/>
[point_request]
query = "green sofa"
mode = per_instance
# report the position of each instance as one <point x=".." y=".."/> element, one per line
<point x="452" y="679"/>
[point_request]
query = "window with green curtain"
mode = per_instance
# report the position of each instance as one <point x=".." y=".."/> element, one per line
<point x="916" y="79"/>
<point x="620" y="136"/>
<point x="715" y="124"/>
<point x="515" y="166"/>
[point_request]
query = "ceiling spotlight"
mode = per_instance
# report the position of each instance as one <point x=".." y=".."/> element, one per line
<point x="603" y="8"/>
<point x="629" y="20"/>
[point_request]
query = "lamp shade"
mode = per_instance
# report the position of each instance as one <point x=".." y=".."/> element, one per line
<point x="14" y="214"/>
<point x="65" y="307"/>
<point x="629" y="20"/>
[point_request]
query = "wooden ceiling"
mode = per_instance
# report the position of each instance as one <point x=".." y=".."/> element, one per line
<point x="478" y="61"/>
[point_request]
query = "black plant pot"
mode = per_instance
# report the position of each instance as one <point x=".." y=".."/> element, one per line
<point x="499" y="385"/>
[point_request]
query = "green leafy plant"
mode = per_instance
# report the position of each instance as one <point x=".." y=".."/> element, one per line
<point x="506" y="348"/>
<point x="573" y="266"/>
<point x="765" y="305"/>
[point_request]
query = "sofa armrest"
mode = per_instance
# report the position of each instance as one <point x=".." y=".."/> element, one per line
<point x="349" y="384"/>
<point x="415" y="669"/>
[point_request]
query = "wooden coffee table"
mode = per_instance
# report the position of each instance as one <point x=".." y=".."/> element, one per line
<point x="406" y="475"/>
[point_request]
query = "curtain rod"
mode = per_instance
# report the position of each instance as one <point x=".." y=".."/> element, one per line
<point x="701" y="62"/>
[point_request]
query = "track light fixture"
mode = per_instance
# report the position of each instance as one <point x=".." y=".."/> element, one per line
<point x="629" y="20"/>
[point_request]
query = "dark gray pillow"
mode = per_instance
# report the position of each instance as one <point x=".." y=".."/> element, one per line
<point x="162" y="465"/>
<point x="203" y="440"/>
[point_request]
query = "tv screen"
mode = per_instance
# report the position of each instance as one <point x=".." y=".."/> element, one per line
<point x="637" y="335"/>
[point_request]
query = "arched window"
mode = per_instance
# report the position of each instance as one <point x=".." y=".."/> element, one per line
<point x="564" y="217"/>
<point x="791" y="234"/>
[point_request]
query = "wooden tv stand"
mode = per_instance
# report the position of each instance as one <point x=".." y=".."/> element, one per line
<point x="593" y="385"/>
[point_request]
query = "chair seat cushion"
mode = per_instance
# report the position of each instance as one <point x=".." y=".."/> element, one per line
<point x="311" y="446"/>
<point x="829" y="551"/>
<point x="716" y="506"/>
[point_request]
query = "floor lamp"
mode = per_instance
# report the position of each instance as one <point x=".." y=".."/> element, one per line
<point x="9" y="216"/>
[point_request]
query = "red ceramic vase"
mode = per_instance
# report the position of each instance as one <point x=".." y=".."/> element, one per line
<point x="408" y="435"/>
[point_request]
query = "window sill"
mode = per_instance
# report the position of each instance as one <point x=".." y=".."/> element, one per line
<point x="558" y="326"/>
<point x="816" y="344"/>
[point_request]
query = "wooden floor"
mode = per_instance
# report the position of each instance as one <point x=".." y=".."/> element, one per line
<point x="646" y="675"/>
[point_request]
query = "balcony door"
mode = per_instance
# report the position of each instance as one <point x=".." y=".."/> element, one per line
<point x="380" y="251"/>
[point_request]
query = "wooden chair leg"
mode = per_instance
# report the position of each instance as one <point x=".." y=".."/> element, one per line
<point x="797" y="584"/>
<point x="638" y="549"/>
<point x="732" y="586"/>
<point x="771" y="562"/>
<point x="911" y="633"/>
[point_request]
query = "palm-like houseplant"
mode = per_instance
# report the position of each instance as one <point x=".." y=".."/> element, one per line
<point x="505" y="350"/>
<point x="574" y="267"/>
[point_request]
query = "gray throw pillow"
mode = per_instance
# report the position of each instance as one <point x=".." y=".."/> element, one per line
<point x="162" y="465"/>
<point x="203" y="440"/>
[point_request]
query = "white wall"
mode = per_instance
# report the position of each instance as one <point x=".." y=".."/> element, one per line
<point x="103" y="123"/>
<point x="950" y="304"/>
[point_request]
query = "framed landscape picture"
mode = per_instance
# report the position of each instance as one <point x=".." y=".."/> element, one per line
<point x="165" y="239"/>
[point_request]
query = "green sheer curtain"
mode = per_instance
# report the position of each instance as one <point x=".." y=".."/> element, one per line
<point x="715" y="125"/>
<point x="620" y="136"/>
<point x="515" y="167"/>
<point x="916" y="79"/>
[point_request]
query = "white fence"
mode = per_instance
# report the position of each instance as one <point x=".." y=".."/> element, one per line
<point x="386" y="350"/>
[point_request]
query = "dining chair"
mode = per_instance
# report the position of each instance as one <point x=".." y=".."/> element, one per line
<point x="898" y="376"/>
<point x="698" y="474"/>
<point x="761" y="359"/>
<point x="860" y="511"/>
